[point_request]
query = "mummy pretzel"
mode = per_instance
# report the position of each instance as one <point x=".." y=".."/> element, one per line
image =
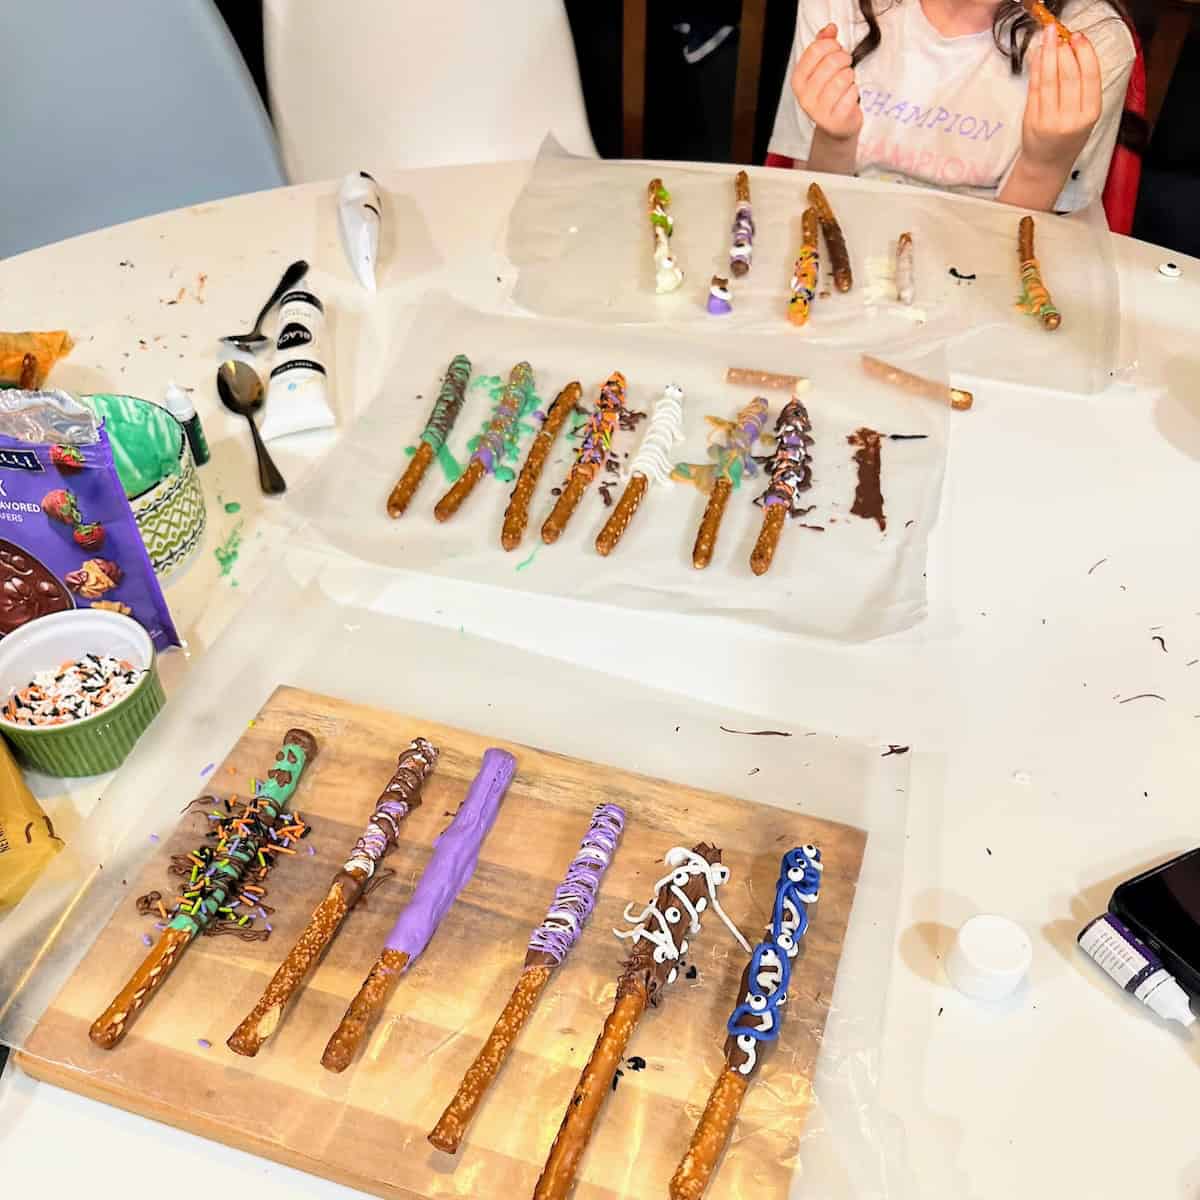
<point x="225" y="874"/>
<point x="905" y="287"/>
<point x="790" y="468"/>
<point x="1035" y="298"/>
<point x="433" y="437"/>
<point x="498" y="437"/>
<point x="651" y="464"/>
<point x="659" y="936"/>
<point x="756" y="1020"/>
<point x="730" y="445"/>
<point x="667" y="273"/>
<point x="806" y="271"/>
<point x="450" y="867"/>
<point x="401" y="795"/>
<point x="742" y="249"/>
<point x="596" y="437"/>
<point x="516" y="516"/>
<point x="1044" y="17"/>
<point x="835" y="243"/>
<point x="573" y="902"/>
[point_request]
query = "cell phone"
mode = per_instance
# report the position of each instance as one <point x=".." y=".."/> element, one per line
<point x="1162" y="906"/>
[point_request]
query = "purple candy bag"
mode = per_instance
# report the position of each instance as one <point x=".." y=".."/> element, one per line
<point x="68" y="537"/>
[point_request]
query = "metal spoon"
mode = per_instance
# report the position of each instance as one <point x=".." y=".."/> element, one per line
<point x="241" y="392"/>
<point x="255" y="340"/>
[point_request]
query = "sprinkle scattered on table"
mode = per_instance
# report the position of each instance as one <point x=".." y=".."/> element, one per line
<point x="72" y="691"/>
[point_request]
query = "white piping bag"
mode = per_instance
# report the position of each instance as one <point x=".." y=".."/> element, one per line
<point x="360" y="212"/>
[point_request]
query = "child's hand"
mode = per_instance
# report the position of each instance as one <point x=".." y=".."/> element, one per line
<point x="824" y="86"/>
<point x="1064" y="100"/>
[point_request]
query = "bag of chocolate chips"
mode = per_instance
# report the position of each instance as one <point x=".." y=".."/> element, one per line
<point x="68" y="537"/>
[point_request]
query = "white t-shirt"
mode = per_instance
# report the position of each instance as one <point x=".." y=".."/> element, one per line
<point x="946" y="112"/>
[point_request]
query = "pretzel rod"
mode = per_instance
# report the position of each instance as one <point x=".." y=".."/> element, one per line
<point x="516" y="516"/>
<point x="401" y="795"/>
<point x="1035" y="298"/>
<point x="498" y="437"/>
<point x="659" y="935"/>
<point x="905" y="286"/>
<point x="742" y="249"/>
<point x="29" y="373"/>
<point x="1044" y="17"/>
<point x="755" y="1021"/>
<point x="667" y="274"/>
<point x="597" y="435"/>
<point x="455" y="855"/>
<point x="730" y="445"/>
<point x="835" y="242"/>
<point x="574" y="900"/>
<point x="806" y="272"/>
<point x="433" y="437"/>
<point x="767" y="381"/>
<point x="651" y="464"/>
<point x="918" y="385"/>
<point x="868" y="496"/>
<point x="225" y="880"/>
<point x="791" y="475"/>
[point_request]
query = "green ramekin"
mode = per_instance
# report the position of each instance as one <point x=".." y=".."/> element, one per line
<point x="98" y="743"/>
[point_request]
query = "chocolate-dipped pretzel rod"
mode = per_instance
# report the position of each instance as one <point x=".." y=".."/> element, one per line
<point x="806" y="271"/>
<point x="516" y="516"/>
<point x="498" y="435"/>
<point x="790" y="467"/>
<point x="596" y="437"/>
<point x="667" y="273"/>
<point x="1035" y="297"/>
<point x="918" y="385"/>
<point x="1044" y="17"/>
<point x="550" y="943"/>
<point x="905" y="273"/>
<point x="401" y="795"/>
<point x="835" y="242"/>
<point x="433" y="437"/>
<point x="742" y="250"/>
<point x="224" y="876"/>
<point x="730" y="445"/>
<point x="651" y="464"/>
<point x="450" y="867"/>
<point x="756" y="1020"/>
<point x="659" y="936"/>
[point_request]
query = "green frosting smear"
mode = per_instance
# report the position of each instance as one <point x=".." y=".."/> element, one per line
<point x="146" y="440"/>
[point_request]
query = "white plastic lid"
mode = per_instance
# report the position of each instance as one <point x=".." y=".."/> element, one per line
<point x="178" y="403"/>
<point x="990" y="957"/>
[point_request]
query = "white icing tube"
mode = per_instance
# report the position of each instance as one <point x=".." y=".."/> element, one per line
<point x="360" y="213"/>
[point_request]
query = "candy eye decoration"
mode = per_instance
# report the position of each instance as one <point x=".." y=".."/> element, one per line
<point x="672" y="914"/>
<point x="786" y="943"/>
<point x="680" y="878"/>
<point x="720" y="874"/>
<point x="746" y="1042"/>
<point x="758" y="1003"/>
<point x="796" y="874"/>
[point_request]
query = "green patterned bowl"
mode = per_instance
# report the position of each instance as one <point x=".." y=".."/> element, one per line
<point x="154" y="461"/>
<point x="94" y="744"/>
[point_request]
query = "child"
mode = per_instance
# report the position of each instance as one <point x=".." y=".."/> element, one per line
<point x="972" y="96"/>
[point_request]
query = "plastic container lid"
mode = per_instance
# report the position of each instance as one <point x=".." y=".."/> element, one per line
<point x="990" y="957"/>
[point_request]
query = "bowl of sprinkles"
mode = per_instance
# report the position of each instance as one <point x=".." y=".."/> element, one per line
<point x="77" y="690"/>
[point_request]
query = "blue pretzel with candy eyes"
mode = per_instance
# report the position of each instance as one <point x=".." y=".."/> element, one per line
<point x="799" y="885"/>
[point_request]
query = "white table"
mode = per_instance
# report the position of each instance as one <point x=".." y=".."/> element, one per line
<point x="1034" y="789"/>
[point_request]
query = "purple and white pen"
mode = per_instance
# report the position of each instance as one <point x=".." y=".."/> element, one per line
<point x="573" y="902"/>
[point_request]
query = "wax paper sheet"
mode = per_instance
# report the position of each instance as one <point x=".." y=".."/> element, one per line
<point x="581" y="240"/>
<point x="337" y="632"/>
<point x="841" y="577"/>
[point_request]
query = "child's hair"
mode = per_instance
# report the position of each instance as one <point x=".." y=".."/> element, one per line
<point x="1013" y="28"/>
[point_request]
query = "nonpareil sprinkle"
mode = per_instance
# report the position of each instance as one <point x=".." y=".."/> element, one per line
<point x="72" y="691"/>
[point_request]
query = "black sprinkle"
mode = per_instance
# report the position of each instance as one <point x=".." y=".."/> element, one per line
<point x="676" y="728"/>
<point x="894" y="750"/>
<point x="753" y="770"/>
<point x="960" y="276"/>
<point x="1192" y="663"/>
<point x="691" y="973"/>
<point x="907" y="437"/>
<point x="756" y="732"/>
<point x="1097" y="564"/>
<point x="636" y="1063"/>
<point x="1159" y="640"/>
<point x="556" y="491"/>
<point x="577" y="1101"/>
<point x="1142" y="696"/>
<point x="498" y="279"/>
<point x="940" y="1011"/>
<point x="908" y="523"/>
<point x="989" y="850"/>
<point x="28" y="835"/>
<point x="617" y="1078"/>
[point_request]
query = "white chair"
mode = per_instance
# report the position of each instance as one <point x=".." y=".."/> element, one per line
<point x="372" y="84"/>
<point x="115" y="110"/>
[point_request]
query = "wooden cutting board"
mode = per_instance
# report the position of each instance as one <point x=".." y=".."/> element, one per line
<point x="367" y="1127"/>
